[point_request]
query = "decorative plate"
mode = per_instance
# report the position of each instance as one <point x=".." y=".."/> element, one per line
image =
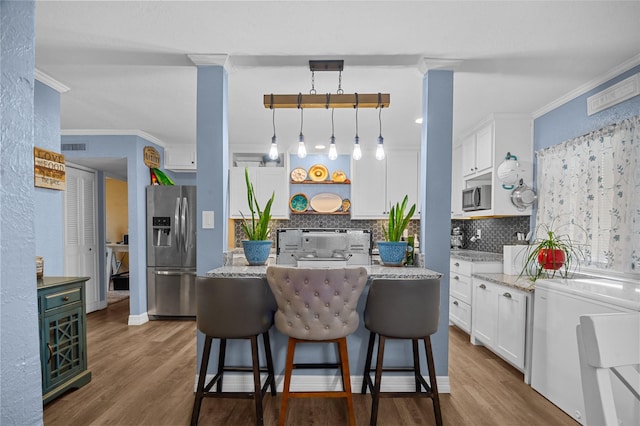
<point x="318" y="173"/>
<point x="346" y="205"/>
<point x="299" y="203"/>
<point x="326" y="202"/>
<point x="338" y="176"/>
<point x="298" y="174"/>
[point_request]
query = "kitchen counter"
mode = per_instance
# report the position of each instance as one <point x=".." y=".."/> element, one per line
<point x="45" y="282"/>
<point x="476" y="256"/>
<point x="374" y="271"/>
<point x="513" y="281"/>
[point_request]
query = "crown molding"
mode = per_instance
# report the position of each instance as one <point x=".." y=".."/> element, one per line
<point x="219" y="59"/>
<point x="427" y="64"/>
<point x="581" y="90"/>
<point x="98" y="132"/>
<point x="50" y="81"/>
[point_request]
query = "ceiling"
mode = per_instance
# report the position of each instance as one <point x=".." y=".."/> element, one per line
<point x="127" y="66"/>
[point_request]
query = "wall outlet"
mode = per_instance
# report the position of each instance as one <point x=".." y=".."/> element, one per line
<point x="479" y="233"/>
<point x="207" y="219"/>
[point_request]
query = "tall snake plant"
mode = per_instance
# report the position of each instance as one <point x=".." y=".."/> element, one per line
<point x="398" y="221"/>
<point x="257" y="228"/>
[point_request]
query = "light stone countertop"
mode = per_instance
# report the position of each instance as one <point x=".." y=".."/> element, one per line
<point x="374" y="271"/>
<point x="521" y="283"/>
<point x="476" y="256"/>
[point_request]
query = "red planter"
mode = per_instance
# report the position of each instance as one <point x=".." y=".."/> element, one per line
<point x="551" y="258"/>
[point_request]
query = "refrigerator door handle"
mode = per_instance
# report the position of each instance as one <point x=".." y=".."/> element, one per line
<point x="174" y="273"/>
<point x="185" y="214"/>
<point x="176" y="222"/>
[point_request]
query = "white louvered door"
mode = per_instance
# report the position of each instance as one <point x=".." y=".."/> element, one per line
<point x="81" y="237"/>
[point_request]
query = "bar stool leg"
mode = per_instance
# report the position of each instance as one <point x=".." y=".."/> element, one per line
<point x="221" y="356"/>
<point x="416" y="364"/>
<point x="288" y="369"/>
<point x="197" y="403"/>
<point x="375" y="392"/>
<point x="433" y="380"/>
<point x="346" y="378"/>
<point x="270" y="373"/>
<point x="257" y="388"/>
<point x="366" y="376"/>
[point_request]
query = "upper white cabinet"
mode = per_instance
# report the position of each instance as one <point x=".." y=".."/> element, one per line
<point x="265" y="180"/>
<point x="180" y="159"/>
<point x="377" y="185"/>
<point x="477" y="152"/>
<point x="482" y="151"/>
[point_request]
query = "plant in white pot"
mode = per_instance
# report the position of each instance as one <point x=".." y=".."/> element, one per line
<point x="257" y="245"/>
<point x="392" y="250"/>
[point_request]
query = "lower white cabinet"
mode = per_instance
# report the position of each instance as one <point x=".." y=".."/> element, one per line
<point x="500" y="320"/>
<point x="460" y="290"/>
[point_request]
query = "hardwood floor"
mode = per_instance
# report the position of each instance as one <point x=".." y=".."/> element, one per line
<point x="144" y="375"/>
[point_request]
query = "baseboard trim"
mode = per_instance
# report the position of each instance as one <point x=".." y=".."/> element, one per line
<point x="234" y="382"/>
<point x="138" y="319"/>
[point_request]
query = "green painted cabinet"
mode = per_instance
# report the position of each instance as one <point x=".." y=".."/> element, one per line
<point x="63" y="338"/>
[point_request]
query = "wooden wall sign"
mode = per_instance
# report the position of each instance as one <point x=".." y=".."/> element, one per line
<point x="151" y="157"/>
<point x="49" y="170"/>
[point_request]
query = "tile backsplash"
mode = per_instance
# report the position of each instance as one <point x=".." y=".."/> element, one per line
<point x="327" y="222"/>
<point x="495" y="232"/>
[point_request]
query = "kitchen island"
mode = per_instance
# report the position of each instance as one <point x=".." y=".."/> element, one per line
<point x="397" y="353"/>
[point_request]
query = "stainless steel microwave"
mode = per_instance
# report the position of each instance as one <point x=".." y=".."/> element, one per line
<point x="476" y="198"/>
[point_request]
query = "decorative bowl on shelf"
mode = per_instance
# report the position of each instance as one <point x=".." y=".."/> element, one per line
<point x="318" y="173"/>
<point x="299" y="203"/>
<point x="326" y="202"/>
<point x="338" y="176"/>
<point x="298" y="174"/>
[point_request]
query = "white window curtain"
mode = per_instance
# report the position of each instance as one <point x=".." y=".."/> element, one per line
<point x="589" y="190"/>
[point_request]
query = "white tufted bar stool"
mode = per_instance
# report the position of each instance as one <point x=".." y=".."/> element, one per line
<point x="317" y="305"/>
<point x="402" y="309"/>
<point x="234" y="308"/>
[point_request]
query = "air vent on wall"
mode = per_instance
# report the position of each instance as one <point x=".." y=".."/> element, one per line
<point x="74" y="147"/>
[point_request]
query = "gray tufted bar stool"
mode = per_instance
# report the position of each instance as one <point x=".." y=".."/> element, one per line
<point x="402" y="309"/>
<point x="317" y="305"/>
<point x="234" y="308"/>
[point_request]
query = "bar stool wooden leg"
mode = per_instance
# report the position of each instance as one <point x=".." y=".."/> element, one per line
<point x="416" y="363"/>
<point x="288" y="369"/>
<point x="366" y="376"/>
<point x="375" y="392"/>
<point x="197" y="403"/>
<point x="221" y="356"/>
<point x="433" y="380"/>
<point x="346" y="378"/>
<point x="257" y="388"/>
<point x="270" y="372"/>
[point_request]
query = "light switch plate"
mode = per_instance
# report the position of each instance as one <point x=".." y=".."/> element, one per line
<point x="207" y="219"/>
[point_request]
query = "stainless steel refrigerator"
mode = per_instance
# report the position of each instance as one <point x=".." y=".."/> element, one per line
<point x="171" y="251"/>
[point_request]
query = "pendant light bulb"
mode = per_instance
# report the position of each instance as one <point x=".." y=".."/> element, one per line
<point x="380" y="149"/>
<point x="302" y="149"/>
<point x="273" y="151"/>
<point x="333" y="152"/>
<point x="357" y="152"/>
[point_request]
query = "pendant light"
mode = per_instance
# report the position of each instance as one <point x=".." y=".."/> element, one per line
<point x="357" y="152"/>
<point x="333" y="152"/>
<point x="380" y="148"/>
<point x="302" y="149"/>
<point x="273" y="151"/>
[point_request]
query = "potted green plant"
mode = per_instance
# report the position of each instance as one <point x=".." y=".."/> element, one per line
<point x="257" y="245"/>
<point x="551" y="254"/>
<point x="392" y="250"/>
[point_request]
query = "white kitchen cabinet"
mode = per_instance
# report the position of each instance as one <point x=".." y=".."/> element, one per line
<point x="484" y="148"/>
<point x="555" y="371"/>
<point x="377" y="185"/>
<point x="499" y="320"/>
<point x="456" y="183"/>
<point x="477" y="152"/>
<point x="460" y="289"/>
<point x="265" y="180"/>
<point x="180" y="159"/>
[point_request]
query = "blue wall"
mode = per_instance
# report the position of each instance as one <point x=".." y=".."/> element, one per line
<point x="130" y="147"/>
<point x="20" y="377"/>
<point x="570" y="120"/>
<point x="49" y="217"/>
